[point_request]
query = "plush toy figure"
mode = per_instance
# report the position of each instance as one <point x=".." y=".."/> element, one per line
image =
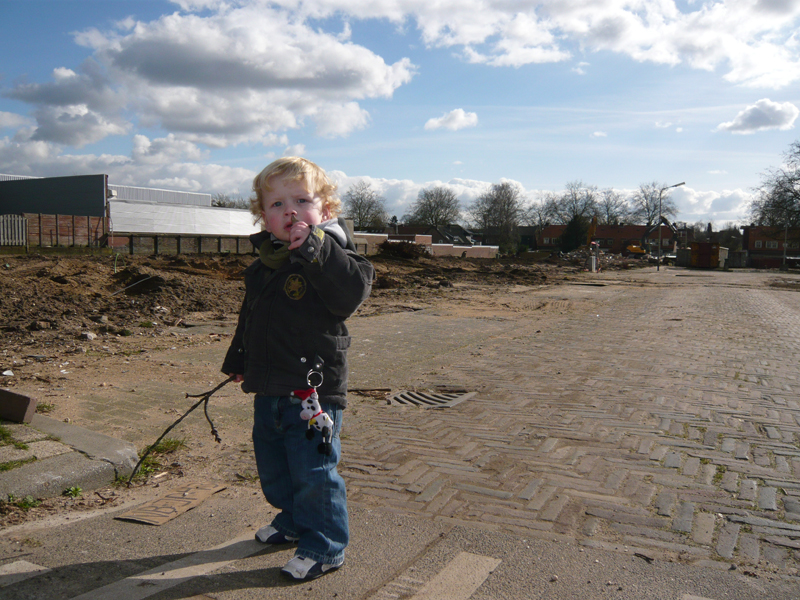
<point x="316" y="417"/>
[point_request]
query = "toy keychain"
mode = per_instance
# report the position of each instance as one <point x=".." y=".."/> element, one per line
<point x="312" y="412"/>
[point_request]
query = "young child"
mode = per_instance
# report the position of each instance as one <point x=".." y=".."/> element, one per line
<point x="291" y="338"/>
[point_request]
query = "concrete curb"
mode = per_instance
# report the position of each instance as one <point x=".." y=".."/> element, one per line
<point x="96" y="446"/>
<point x="90" y="460"/>
<point x="52" y="476"/>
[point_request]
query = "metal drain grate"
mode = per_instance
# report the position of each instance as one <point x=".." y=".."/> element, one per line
<point x="442" y="399"/>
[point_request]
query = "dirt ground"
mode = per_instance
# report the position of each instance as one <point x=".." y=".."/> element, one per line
<point x="71" y="324"/>
<point x="54" y="304"/>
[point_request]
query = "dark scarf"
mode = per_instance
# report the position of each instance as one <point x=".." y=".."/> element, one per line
<point x="273" y="257"/>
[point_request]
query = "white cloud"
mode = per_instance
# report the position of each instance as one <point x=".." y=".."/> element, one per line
<point x="335" y="120"/>
<point x="62" y="74"/>
<point x="580" y="68"/>
<point x="454" y="120"/>
<point x="762" y="115"/>
<point x="75" y="108"/>
<point x="164" y="150"/>
<point x="46" y="159"/>
<point x="12" y="120"/>
<point x="599" y="134"/>
<point x="711" y="206"/>
<point x="223" y="72"/>
<point x="753" y="41"/>
<point x="718" y="172"/>
<point x="229" y="73"/>
<point x="295" y="150"/>
<point x="75" y="125"/>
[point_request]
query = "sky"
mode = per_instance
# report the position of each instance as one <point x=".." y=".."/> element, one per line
<point x="200" y="95"/>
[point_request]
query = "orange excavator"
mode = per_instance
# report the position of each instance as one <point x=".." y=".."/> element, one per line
<point x="639" y="247"/>
<point x="592" y="231"/>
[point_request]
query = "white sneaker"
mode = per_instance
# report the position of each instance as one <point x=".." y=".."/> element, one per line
<point x="306" y="569"/>
<point x="269" y="535"/>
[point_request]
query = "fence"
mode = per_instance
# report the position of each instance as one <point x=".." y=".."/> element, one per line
<point x="13" y="230"/>
<point x="166" y="243"/>
<point x="65" y="230"/>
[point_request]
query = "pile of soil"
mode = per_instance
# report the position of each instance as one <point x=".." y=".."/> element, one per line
<point x="51" y="300"/>
<point x="48" y="300"/>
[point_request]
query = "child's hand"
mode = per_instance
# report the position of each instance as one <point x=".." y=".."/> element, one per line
<point x="238" y="378"/>
<point x="298" y="234"/>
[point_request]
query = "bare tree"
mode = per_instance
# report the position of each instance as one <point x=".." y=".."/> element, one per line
<point x="365" y="206"/>
<point x="228" y="201"/>
<point x="437" y="206"/>
<point x="536" y="213"/>
<point x="777" y="199"/>
<point x="577" y="200"/>
<point x="645" y="203"/>
<point x="499" y="211"/>
<point x="612" y="208"/>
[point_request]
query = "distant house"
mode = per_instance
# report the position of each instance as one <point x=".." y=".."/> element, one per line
<point x="615" y="238"/>
<point x="767" y="246"/>
<point x="492" y="235"/>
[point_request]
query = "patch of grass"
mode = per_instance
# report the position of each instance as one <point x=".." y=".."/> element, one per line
<point x="6" y="439"/>
<point x="45" y="407"/>
<point x="28" y="502"/>
<point x="73" y="492"/>
<point x="721" y="470"/>
<point x="705" y="461"/>
<point x="7" y="466"/>
<point x="25" y="503"/>
<point x="151" y="463"/>
<point x="147" y="324"/>
<point x="5" y="436"/>
<point x="168" y="445"/>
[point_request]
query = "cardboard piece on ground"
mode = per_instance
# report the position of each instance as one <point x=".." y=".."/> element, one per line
<point x="177" y="502"/>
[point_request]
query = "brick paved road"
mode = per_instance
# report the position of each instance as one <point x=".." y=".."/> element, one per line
<point x="655" y="412"/>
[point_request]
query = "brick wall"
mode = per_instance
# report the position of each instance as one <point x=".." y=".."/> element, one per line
<point x="65" y="230"/>
<point x="149" y="243"/>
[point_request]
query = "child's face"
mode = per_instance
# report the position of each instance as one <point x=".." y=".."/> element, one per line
<point x="289" y="199"/>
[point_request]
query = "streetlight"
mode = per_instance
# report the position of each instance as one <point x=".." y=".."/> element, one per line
<point x="661" y="191"/>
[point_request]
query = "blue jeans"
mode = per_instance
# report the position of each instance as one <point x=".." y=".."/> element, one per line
<point x="299" y="481"/>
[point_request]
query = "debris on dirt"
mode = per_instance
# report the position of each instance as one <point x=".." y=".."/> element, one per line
<point x="50" y="301"/>
<point x="785" y="283"/>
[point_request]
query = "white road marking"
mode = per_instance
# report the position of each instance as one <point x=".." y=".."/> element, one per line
<point x="690" y="597"/>
<point x="19" y="571"/>
<point x="459" y="579"/>
<point x="171" y="574"/>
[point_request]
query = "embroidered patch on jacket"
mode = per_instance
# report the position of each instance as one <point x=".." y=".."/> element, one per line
<point x="295" y="286"/>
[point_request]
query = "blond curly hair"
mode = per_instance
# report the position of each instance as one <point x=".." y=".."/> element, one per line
<point x="295" y="168"/>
